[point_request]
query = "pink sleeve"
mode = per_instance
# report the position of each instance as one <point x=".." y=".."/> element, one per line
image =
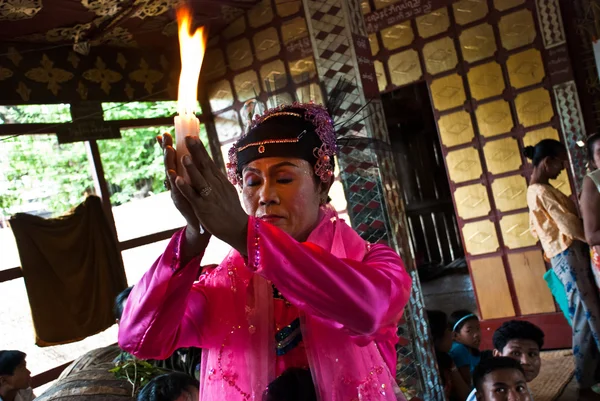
<point x="165" y="309"/>
<point x="362" y="296"/>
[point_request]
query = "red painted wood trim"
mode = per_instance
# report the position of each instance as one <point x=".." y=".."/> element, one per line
<point x="49" y="375"/>
<point x="558" y="333"/>
<point x="10" y="274"/>
<point x="147" y="239"/>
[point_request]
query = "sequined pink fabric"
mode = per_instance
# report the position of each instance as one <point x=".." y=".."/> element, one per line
<point x="320" y="118"/>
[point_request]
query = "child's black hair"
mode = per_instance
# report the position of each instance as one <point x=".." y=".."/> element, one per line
<point x="459" y="318"/>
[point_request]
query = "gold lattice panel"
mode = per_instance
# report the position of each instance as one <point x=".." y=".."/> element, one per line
<point x="261" y="14"/>
<point x="491" y="284"/>
<point x="239" y="54"/>
<point x="525" y="68"/>
<point x="502" y="155"/>
<point x="562" y="183"/>
<point x="534" y="107"/>
<point x="472" y="201"/>
<point x="480" y="237"/>
<point x="456" y="128"/>
<point x="502" y="5"/>
<point x="220" y="95"/>
<point x="448" y="92"/>
<point x="380" y="73"/>
<point x="440" y="55"/>
<point x="266" y="44"/>
<point x="214" y="65"/>
<point x="467" y="11"/>
<point x="237" y="27"/>
<point x="397" y="36"/>
<point x="433" y="23"/>
<point x="463" y="165"/>
<point x="478" y="43"/>
<point x="517" y="29"/>
<point x="303" y="69"/>
<point x="285" y="8"/>
<point x="374" y="42"/>
<point x="510" y="193"/>
<point x="365" y="7"/>
<point x="293" y="29"/>
<point x="515" y="231"/>
<point x="494" y="118"/>
<point x="531" y="138"/>
<point x="246" y="85"/>
<point x="486" y="80"/>
<point x="274" y="73"/>
<point x="405" y="67"/>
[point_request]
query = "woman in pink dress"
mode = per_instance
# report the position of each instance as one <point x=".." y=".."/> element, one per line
<point x="299" y="289"/>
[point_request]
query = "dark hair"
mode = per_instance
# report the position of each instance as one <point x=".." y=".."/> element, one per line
<point x="591" y="141"/>
<point x="120" y="302"/>
<point x="517" y="330"/>
<point x="167" y="387"/>
<point x="445" y="363"/>
<point x="438" y="323"/>
<point x="490" y="365"/>
<point x="9" y="360"/>
<point x="457" y="316"/>
<point x="293" y="385"/>
<point x="544" y="148"/>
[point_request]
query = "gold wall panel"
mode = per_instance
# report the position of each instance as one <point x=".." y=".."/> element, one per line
<point x="531" y="138"/>
<point x="405" y="67"/>
<point x="491" y="284"/>
<point x="472" y="201"/>
<point x="480" y="237"/>
<point x="517" y="29"/>
<point x="308" y="93"/>
<point x="467" y="11"/>
<point x="448" y="92"/>
<point x="303" y="69"/>
<point x="433" y="23"/>
<point x="220" y="95"/>
<point x="365" y="7"/>
<point x="266" y="44"/>
<point x="463" y="165"/>
<point x="515" y="231"/>
<point x="525" y="68"/>
<point x="502" y="155"/>
<point x="285" y="8"/>
<point x="562" y="183"/>
<point x="380" y="73"/>
<point x="507" y="4"/>
<point x="261" y="14"/>
<point x="456" y="128"/>
<point x="397" y="36"/>
<point x="440" y="55"/>
<point x="294" y="29"/>
<point x="384" y="3"/>
<point x="478" y="43"/>
<point x="527" y="270"/>
<point x="246" y="85"/>
<point x="494" y="118"/>
<point x="214" y="65"/>
<point x="274" y="73"/>
<point x="374" y="42"/>
<point x="237" y="27"/>
<point x="534" y="107"/>
<point x="239" y="54"/>
<point x="486" y="80"/>
<point x="510" y="193"/>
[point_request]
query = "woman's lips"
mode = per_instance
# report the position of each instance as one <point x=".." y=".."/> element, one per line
<point x="271" y="218"/>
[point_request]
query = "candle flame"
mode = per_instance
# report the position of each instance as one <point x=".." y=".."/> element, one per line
<point x="191" y="48"/>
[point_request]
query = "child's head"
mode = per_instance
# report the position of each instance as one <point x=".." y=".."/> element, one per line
<point x="500" y="379"/>
<point x="13" y="371"/>
<point x="440" y="330"/>
<point x="172" y="386"/>
<point x="465" y="326"/>
<point x="521" y="341"/>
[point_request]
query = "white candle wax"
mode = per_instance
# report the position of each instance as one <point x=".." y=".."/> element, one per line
<point x="185" y="125"/>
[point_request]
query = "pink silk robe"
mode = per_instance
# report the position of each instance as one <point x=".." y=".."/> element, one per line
<point x="350" y="296"/>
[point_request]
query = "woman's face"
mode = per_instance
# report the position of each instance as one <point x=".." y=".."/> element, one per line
<point x="596" y="155"/>
<point x="283" y="192"/>
<point x="555" y="165"/>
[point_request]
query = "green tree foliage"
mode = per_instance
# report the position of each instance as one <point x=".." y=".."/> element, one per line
<point x="38" y="174"/>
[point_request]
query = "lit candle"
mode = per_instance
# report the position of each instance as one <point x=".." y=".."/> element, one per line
<point x="191" y="49"/>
